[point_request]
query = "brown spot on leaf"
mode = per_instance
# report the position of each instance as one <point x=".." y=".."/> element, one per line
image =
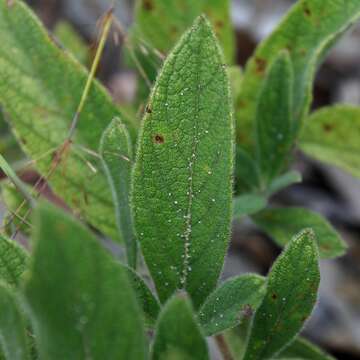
<point x="148" y="109"/>
<point x="159" y="139"/>
<point x="260" y="65"/>
<point x="86" y="198"/>
<point x="274" y="296"/>
<point x="148" y="5"/>
<point x="219" y="24"/>
<point x="307" y="11"/>
<point x="328" y="127"/>
<point x="174" y="30"/>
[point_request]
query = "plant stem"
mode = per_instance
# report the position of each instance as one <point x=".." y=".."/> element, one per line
<point x="223" y="347"/>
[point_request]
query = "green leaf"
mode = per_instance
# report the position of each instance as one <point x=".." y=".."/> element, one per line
<point x="303" y="349"/>
<point x="283" y="181"/>
<point x="117" y="158"/>
<point x="290" y="297"/>
<point x="235" y="75"/>
<point x="12" y="176"/>
<point x="13" y="261"/>
<point x="40" y="88"/>
<point x="178" y="336"/>
<point x="231" y="303"/>
<point x="73" y="273"/>
<point x="248" y="204"/>
<point x="160" y="23"/>
<point x="309" y="30"/>
<point x="182" y="177"/>
<point x="12" y="327"/>
<point x="281" y="222"/>
<point x="146" y="298"/>
<point x="247" y="173"/>
<point x="274" y="123"/>
<point x="16" y="210"/>
<point x="332" y="135"/>
<point x="72" y="41"/>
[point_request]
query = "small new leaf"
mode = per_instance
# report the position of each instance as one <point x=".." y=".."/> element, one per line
<point x="235" y="300"/>
<point x="12" y="327"/>
<point x="182" y="180"/>
<point x="117" y="158"/>
<point x="283" y="181"/>
<point x="291" y="294"/>
<point x="79" y="299"/>
<point x="248" y="204"/>
<point x="178" y="336"/>
<point x="332" y="135"/>
<point x="274" y="123"/>
<point x="281" y="222"/>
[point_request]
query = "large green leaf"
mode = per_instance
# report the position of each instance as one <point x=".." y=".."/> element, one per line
<point x="13" y="338"/>
<point x="290" y="297"/>
<point x="13" y="261"/>
<point x="117" y="157"/>
<point x="280" y="222"/>
<point x="160" y="23"/>
<point x="40" y="88"/>
<point x="274" y="123"/>
<point x="232" y="302"/>
<point x="79" y="299"/>
<point x="303" y="349"/>
<point x="307" y="33"/>
<point x="178" y="336"/>
<point x="182" y="178"/>
<point x="332" y="135"/>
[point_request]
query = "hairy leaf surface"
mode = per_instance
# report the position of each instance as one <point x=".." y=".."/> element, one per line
<point x="12" y="327"/>
<point x="79" y="299"/>
<point x="232" y="302"/>
<point x="13" y="261"/>
<point x="40" y="88"/>
<point x="307" y="33"/>
<point x="332" y="135"/>
<point x="178" y="336"/>
<point x="117" y="157"/>
<point x="290" y="297"/>
<point x="274" y="123"/>
<point x="280" y="222"/>
<point x="182" y="178"/>
<point x="149" y="304"/>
